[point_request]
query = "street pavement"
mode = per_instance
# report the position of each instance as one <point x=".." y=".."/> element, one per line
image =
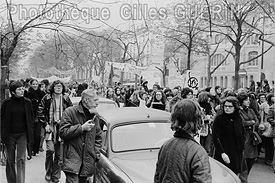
<point x="35" y="171"/>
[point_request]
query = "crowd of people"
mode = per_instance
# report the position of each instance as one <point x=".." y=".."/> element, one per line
<point x="233" y="129"/>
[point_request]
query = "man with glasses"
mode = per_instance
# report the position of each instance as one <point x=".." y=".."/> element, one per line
<point x="81" y="132"/>
<point x="49" y="114"/>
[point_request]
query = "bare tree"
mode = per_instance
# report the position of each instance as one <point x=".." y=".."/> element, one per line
<point x="14" y="34"/>
<point x="247" y="16"/>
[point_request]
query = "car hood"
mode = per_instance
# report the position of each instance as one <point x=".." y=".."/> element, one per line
<point x="140" y="167"/>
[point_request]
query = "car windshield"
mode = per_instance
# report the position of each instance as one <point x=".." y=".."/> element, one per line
<point x="140" y="136"/>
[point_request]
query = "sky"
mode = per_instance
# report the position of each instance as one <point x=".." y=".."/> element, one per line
<point x="111" y="14"/>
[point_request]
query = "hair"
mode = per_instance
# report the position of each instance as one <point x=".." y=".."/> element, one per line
<point x="85" y="85"/>
<point x="204" y="97"/>
<point x="156" y="85"/>
<point x="242" y="96"/>
<point x="163" y="99"/>
<point x="185" y="92"/>
<point x="88" y="93"/>
<point x="208" y="89"/>
<point x="187" y="116"/>
<point x="259" y="84"/>
<point x="261" y="94"/>
<point x="116" y="89"/>
<point x="268" y="98"/>
<point x="142" y="92"/>
<point x="108" y="95"/>
<point x="227" y="93"/>
<point x="167" y="90"/>
<point x="14" y="85"/>
<point x="32" y="80"/>
<point x="46" y="82"/>
<point x="56" y="83"/>
<point x="169" y="94"/>
<point x="232" y="100"/>
<point x="41" y="84"/>
<point x="265" y="81"/>
<point x="217" y="87"/>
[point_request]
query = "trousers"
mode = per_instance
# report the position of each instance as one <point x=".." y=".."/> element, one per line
<point x="53" y="170"/>
<point x="16" y="155"/>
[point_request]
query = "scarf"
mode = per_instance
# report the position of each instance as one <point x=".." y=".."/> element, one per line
<point x="55" y="116"/>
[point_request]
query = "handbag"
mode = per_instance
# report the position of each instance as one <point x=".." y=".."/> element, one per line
<point x="267" y="129"/>
<point x="256" y="139"/>
<point x="268" y="132"/>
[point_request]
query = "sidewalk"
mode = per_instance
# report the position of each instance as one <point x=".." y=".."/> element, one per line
<point x="35" y="170"/>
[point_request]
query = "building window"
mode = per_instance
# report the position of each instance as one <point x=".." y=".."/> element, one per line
<point x="217" y="59"/>
<point x="252" y="55"/>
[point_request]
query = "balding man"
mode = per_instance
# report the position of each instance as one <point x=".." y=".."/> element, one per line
<point x="81" y="133"/>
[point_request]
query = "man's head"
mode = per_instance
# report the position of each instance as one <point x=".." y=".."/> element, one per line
<point x="90" y="99"/>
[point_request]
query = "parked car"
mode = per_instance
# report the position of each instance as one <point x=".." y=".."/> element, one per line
<point x="132" y="138"/>
<point x="104" y="103"/>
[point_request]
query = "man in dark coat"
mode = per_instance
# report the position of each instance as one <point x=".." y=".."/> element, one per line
<point x="81" y="132"/>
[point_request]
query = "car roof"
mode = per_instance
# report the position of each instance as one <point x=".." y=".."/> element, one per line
<point x="101" y="100"/>
<point x="133" y="114"/>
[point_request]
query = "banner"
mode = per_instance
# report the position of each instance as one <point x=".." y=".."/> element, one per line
<point x="126" y="67"/>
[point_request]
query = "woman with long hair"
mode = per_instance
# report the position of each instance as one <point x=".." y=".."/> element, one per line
<point x="34" y="94"/>
<point x="182" y="159"/>
<point x="158" y="100"/>
<point x="204" y="99"/>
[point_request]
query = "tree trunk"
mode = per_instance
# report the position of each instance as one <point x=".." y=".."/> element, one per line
<point x="188" y="60"/>
<point x="4" y="78"/>
<point x="237" y="67"/>
<point x="164" y="79"/>
<point x="121" y="77"/>
<point x="208" y="71"/>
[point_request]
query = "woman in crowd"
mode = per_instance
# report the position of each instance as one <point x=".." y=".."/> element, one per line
<point x="252" y="86"/>
<point x="17" y="120"/>
<point x="169" y="96"/>
<point x="134" y="100"/>
<point x="42" y="88"/>
<point x="250" y="122"/>
<point x="182" y="159"/>
<point x="209" y="113"/>
<point x="119" y="98"/>
<point x="259" y="87"/>
<point x="158" y="100"/>
<point x="266" y="87"/>
<point x="49" y="114"/>
<point x="34" y="94"/>
<point x="228" y="135"/>
<point x="187" y="93"/>
<point x="111" y="95"/>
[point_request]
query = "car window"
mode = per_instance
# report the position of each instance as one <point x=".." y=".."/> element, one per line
<point x="140" y="136"/>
